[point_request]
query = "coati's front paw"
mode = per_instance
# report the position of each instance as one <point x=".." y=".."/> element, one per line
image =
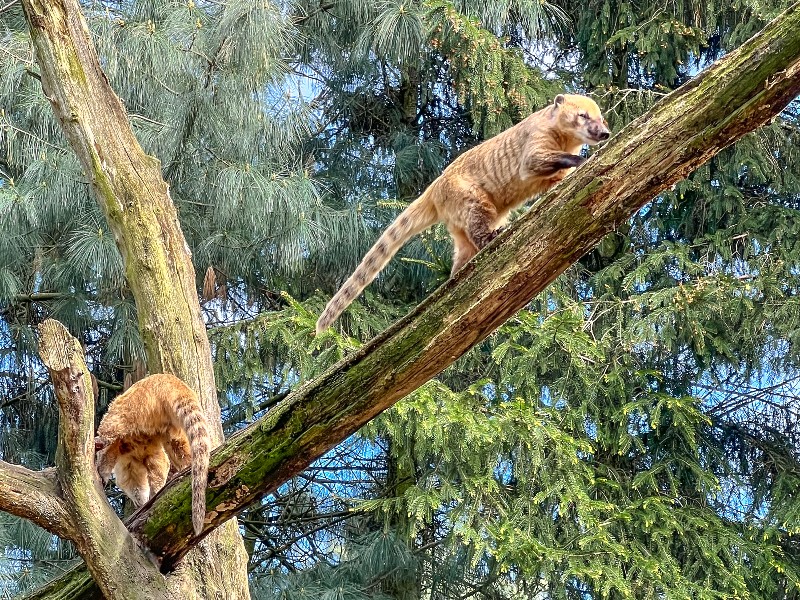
<point x="104" y="478"/>
<point x="104" y="474"/>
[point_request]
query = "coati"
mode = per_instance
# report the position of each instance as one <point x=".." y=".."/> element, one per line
<point x="156" y="423"/>
<point x="475" y="193"/>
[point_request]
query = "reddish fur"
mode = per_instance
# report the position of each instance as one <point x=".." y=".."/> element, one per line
<point x="155" y="424"/>
<point x="475" y="193"/>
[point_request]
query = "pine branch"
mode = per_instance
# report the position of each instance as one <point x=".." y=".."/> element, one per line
<point x="323" y="7"/>
<point x="41" y="297"/>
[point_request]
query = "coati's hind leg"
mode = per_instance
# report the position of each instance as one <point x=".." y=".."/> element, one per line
<point x="157" y="467"/>
<point x="178" y="450"/>
<point x="463" y="250"/>
<point x="481" y="218"/>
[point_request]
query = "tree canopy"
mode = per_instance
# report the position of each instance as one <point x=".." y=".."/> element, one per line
<point x="632" y="433"/>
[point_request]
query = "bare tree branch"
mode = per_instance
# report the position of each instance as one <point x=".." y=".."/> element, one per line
<point x="63" y="356"/>
<point x="34" y="496"/>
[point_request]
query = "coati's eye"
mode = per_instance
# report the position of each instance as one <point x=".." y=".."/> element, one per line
<point x="584" y="115"/>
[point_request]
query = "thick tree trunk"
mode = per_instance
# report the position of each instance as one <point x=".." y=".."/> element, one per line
<point x="741" y="92"/>
<point x="135" y="199"/>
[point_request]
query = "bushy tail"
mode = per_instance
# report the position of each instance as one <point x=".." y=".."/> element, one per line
<point x="195" y="425"/>
<point x="420" y="215"/>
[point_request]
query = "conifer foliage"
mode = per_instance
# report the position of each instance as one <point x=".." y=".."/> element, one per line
<point x="634" y="433"/>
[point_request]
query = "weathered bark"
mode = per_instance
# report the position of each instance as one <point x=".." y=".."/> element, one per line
<point x="733" y="97"/>
<point x="34" y="496"/>
<point x="135" y="199"/>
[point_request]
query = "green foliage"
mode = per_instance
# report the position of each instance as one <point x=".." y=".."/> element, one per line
<point x="629" y="44"/>
<point x="581" y="485"/>
<point x="31" y="556"/>
<point x="491" y="80"/>
<point x="351" y="580"/>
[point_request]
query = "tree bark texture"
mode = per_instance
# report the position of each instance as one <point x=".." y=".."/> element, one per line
<point x="737" y="94"/>
<point x="132" y="193"/>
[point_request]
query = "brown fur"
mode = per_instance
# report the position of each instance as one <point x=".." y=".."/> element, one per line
<point x="475" y="193"/>
<point x="155" y="424"/>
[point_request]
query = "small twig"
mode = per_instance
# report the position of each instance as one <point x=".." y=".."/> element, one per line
<point x="19" y="58"/>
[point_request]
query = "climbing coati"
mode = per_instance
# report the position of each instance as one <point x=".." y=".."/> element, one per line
<point x="475" y="193"/>
<point x="155" y="423"/>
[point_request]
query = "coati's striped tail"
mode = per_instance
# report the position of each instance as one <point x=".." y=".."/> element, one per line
<point x="195" y="425"/>
<point x="420" y="215"/>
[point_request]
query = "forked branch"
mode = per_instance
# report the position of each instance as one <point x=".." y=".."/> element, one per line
<point x="114" y="558"/>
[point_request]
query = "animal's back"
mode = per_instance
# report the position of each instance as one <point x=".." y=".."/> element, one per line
<point x="149" y="406"/>
<point x="494" y="165"/>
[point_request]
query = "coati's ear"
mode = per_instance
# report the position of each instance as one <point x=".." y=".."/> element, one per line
<point x="559" y="100"/>
<point x="99" y="443"/>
